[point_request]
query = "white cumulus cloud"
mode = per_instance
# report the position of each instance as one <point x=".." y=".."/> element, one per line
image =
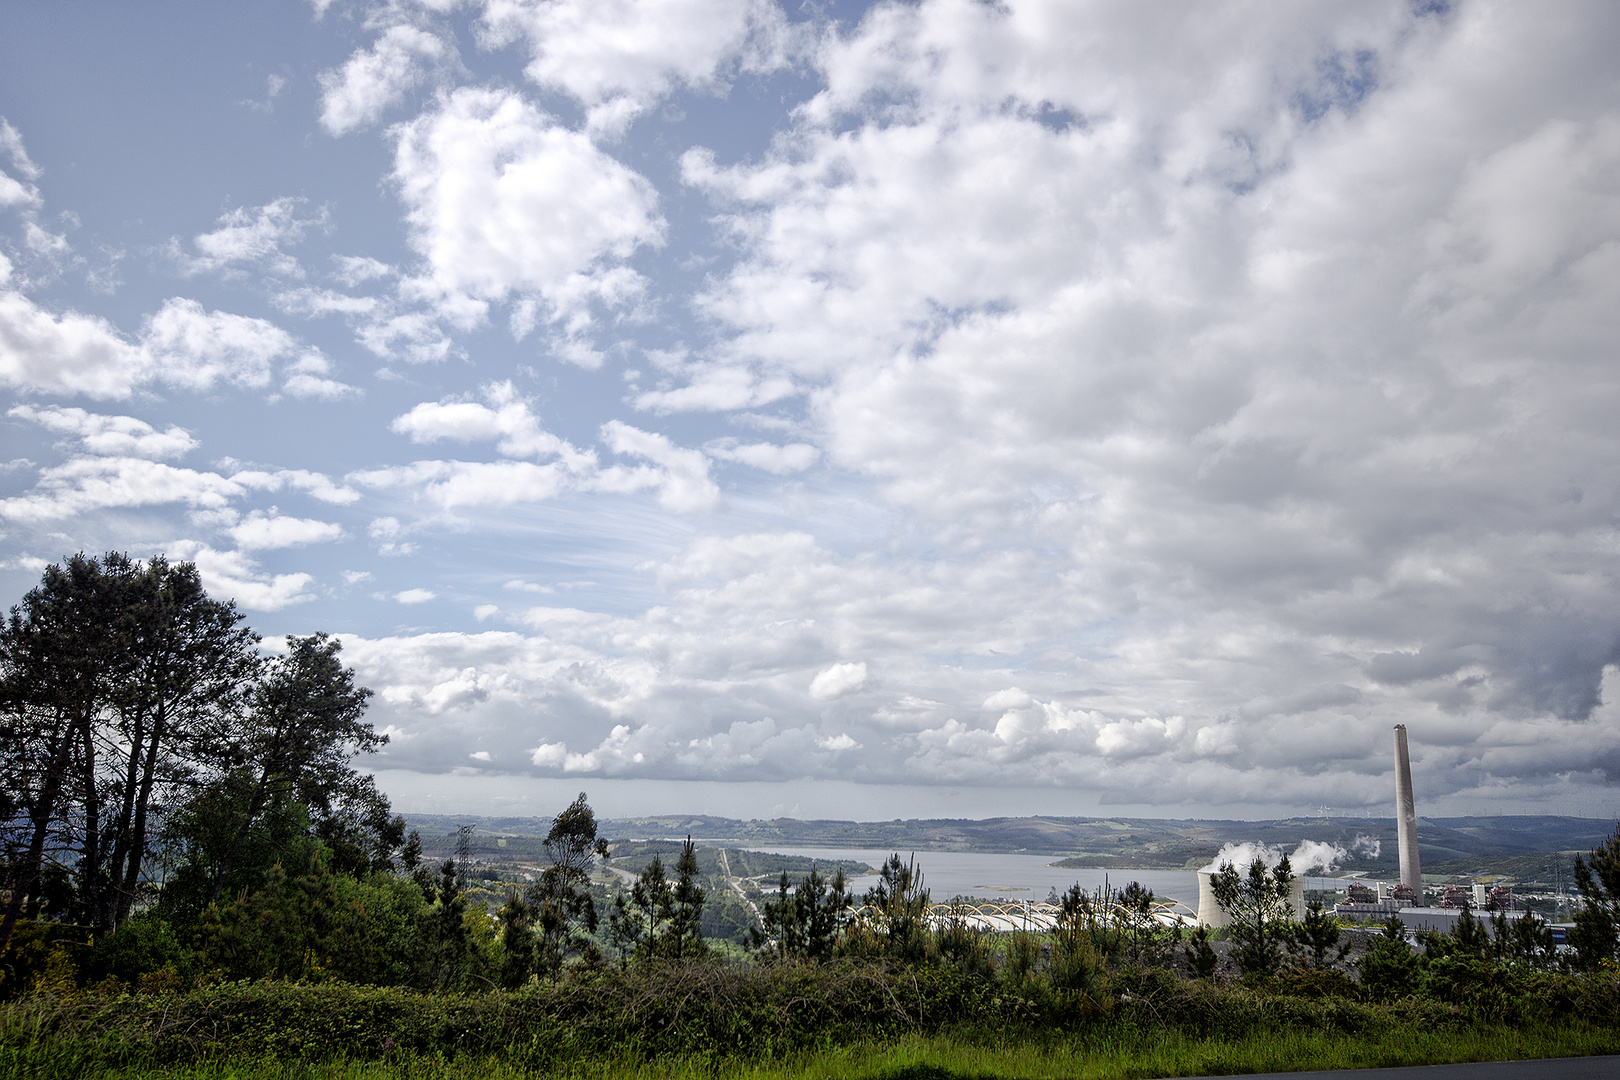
<point x="259" y="531"/>
<point x="619" y="57"/>
<point x="307" y="377"/>
<point x="182" y="345"/>
<point x="679" y="474"/>
<point x="374" y="80"/>
<point x="503" y="418"/>
<point x="506" y="204"/>
<point x="187" y="346"/>
<point x="86" y="484"/>
<point x="68" y="353"/>
<point x="252" y="236"/>
<point x="837" y="680"/>
<point x="111" y="436"/>
<point x="232" y="575"/>
<point x="15" y="192"/>
<point x="770" y="457"/>
<point x="317" y="485"/>
<point x="684" y="483"/>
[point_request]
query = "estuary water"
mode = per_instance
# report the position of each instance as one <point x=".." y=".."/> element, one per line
<point x="997" y="876"/>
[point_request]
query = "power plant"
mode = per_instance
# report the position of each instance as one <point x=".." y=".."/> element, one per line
<point x="1370" y="901"/>
<point x="1408" y="894"/>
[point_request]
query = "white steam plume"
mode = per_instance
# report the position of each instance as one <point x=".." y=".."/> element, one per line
<point x="1316" y="855"/>
<point x="1310" y="855"/>
<point x="1243" y="855"/>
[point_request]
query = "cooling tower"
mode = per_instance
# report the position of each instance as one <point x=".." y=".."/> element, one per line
<point x="1406" y="816"/>
<point x="1213" y="915"/>
<point x="1209" y="912"/>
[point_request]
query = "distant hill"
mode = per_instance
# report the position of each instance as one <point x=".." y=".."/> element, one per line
<point x="1107" y="842"/>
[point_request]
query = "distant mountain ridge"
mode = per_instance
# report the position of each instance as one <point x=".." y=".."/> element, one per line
<point x="1125" y="842"/>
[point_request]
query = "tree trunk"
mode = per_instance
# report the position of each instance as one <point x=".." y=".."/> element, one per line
<point x="91" y="874"/>
<point x="40" y="817"/>
<point x="137" y="848"/>
<point x="124" y="839"/>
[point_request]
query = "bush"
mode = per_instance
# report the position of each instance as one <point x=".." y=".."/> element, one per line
<point x="1390" y="969"/>
<point x="1596" y="997"/>
<point x="42" y="956"/>
<point x="669" y="1009"/>
<point x="648" y="1010"/>
<point x="1317" y="982"/>
<point x="141" y="946"/>
<point x="1487" y="990"/>
<point x="1200" y="954"/>
<point x="1204" y="1009"/>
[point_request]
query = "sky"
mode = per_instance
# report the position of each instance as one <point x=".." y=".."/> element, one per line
<point x="861" y="411"/>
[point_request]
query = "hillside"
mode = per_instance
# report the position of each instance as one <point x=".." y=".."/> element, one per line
<point x="1105" y="842"/>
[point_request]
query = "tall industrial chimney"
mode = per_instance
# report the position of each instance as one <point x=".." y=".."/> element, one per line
<point x="1406" y="815"/>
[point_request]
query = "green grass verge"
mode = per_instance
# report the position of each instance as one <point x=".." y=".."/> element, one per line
<point x="843" y="1021"/>
<point x="1109" y="1053"/>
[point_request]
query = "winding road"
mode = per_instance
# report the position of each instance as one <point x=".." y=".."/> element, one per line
<point x="1571" y="1068"/>
<point x="725" y="865"/>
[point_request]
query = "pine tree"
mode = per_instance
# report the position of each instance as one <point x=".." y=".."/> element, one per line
<point x="1200" y="954"/>
<point x="1316" y="939"/>
<point x="901" y="904"/>
<point x="517" y="942"/>
<point x="1257" y="908"/>
<point x="805" y="921"/>
<point x="449" y="946"/>
<point x="684" y="934"/>
<point x="118" y="682"/>
<point x="1597" y="923"/>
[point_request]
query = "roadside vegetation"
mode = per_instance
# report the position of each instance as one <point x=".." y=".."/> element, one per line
<point x="199" y="883"/>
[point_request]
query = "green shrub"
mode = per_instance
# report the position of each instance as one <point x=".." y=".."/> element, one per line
<point x="1390" y="969"/>
<point x="651" y="1009"/>
<point x="1200" y="955"/>
<point x="1021" y="955"/>
<point x="41" y="954"/>
<point x="1316" y="982"/>
<point x="1596" y="997"/>
<point x="143" y="945"/>
<point x="665" y="1009"/>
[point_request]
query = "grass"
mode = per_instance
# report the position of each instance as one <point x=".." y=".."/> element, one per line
<point x="1104" y="1054"/>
